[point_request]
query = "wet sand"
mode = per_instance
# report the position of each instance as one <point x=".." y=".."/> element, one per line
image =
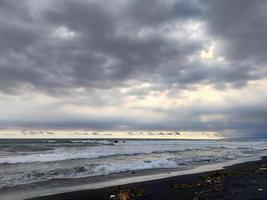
<point x="246" y="181"/>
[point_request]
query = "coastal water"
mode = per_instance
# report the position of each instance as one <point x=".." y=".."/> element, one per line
<point x="39" y="161"/>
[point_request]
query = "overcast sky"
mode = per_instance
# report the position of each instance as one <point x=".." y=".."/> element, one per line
<point x="134" y="64"/>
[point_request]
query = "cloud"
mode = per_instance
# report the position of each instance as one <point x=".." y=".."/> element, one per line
<point x="109" y="54"/>
<point x="241" y="26"/>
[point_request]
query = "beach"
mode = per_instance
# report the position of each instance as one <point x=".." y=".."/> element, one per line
<point x="133" y="100"/>
<point x="245" y="181"/>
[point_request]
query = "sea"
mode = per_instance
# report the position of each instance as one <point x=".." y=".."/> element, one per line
<point x="29" y="164"/>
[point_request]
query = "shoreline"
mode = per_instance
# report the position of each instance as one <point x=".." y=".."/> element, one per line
<point x="185" y="187"/>
<point x="240" y="181"/>
<point x="135" y="180"/>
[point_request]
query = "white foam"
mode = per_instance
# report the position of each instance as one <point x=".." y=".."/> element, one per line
<point x="139" y="165"/>
<point x="42" y="191"/>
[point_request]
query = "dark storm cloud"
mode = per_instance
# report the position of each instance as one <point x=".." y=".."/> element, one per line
<point x="98" y="29"/>
<point x="106" y="50"/>
<point x="156" y="12"/>
<point x="242" y="27"/>
<point x="97" y="57"/>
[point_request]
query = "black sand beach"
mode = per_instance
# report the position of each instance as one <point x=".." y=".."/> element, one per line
<point x="246" y="181"/>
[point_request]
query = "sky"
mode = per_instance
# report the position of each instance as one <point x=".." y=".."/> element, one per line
<point x="193" y="65"/>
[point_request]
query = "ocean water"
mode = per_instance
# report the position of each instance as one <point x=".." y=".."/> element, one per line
<point x="37" y="161"/>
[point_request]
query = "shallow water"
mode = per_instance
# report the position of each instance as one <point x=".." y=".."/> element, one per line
<point x="39" y="161"/>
